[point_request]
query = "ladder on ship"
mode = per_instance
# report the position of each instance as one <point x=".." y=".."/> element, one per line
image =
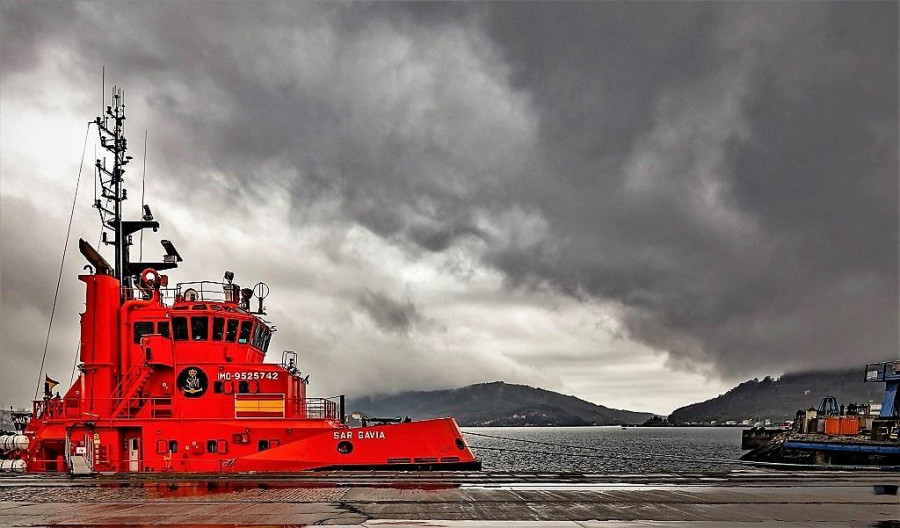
<point x="130" y="400"/>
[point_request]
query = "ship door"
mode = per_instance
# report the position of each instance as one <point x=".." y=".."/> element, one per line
<point x="134" y="453"/>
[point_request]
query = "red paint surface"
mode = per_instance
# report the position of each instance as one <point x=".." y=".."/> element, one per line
<point x="205" y="404"/>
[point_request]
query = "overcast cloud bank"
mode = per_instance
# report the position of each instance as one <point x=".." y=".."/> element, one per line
<point x="581" y="196"/>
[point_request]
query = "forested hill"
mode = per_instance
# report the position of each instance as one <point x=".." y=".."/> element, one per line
<point x="497" y="404"/>
<point x="779" y="399"/>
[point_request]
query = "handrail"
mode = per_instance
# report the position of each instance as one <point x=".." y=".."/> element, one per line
<point x="207" y="291"/>
<point x="311" y="408"/>
<point x="128" y="386"/>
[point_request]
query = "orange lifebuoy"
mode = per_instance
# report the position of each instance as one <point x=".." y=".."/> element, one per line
<point x="150" y="278"/>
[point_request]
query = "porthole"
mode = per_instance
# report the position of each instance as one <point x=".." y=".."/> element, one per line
<point x="460" y="444"/>
<point x="344" y="447"/>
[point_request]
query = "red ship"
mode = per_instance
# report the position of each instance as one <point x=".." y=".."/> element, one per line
<point x="174" y="379"/>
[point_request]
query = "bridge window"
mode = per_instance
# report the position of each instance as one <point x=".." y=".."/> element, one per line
<point x="231" y="334"/>
<point x="261" y="339"/>
<point x="200" y="328"/>
<point x="243" y="386"/>
<point x="219" y="387"/>
<point x="211" y="446"/>
<point x="218" y="328"/>
<point x="263" y="445"/>
<point x="256" y="333"/>
<point x="173" y="446"/>
<point x="179" y="328"/>
<point x="162" y="328"/>
<point x="141" y="329"/>
<point x="265" y="342"/>
<point x="244" y="337"/>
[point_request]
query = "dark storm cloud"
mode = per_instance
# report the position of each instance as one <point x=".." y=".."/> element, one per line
<point x="801" y="270"/>
<point x="389" y="314"/>
<point x="724" y="174"/>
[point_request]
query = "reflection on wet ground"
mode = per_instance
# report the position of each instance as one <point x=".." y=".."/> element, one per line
<point x="200" y="489"/>
<point x="180" y="525"/>
<point x="825" y="500"/>
<point x="535" y="524"/>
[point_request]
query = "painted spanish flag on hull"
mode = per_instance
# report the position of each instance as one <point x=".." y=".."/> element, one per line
<point x="259" y="405"/>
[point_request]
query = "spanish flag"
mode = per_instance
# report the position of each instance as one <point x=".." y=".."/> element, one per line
<point x="49" y="384"/>
<point x="259" y="405"/>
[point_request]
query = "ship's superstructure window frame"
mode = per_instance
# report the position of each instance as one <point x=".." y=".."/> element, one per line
<point x="162" y="328"/>
<point x="180" y="328"/>
<point x="244" y="335"/>
<point x="218" y="328"/>
<point x="199" y="328"/>
<point x="140" y="329"/>
<point x="257" y="332"/>
<point x="267" y="336"/>
<point x="232" y="331"/>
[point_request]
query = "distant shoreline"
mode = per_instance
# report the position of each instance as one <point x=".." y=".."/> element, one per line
<point x="635" y="426"/>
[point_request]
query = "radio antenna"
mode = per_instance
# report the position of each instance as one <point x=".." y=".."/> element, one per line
<point x="111" y="125"/>
<point x="143" y="203"/>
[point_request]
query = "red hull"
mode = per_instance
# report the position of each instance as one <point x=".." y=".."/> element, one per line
<point x="291" y="446"/>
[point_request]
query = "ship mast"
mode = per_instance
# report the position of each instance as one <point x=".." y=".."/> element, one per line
<point x="111" y="126"/>
<point x="113" y="140"/>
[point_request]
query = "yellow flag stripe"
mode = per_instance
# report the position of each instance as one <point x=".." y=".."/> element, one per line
<point x="259" y="405"/>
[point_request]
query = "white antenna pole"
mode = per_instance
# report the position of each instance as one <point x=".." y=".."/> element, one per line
<point x="143" y="179"/>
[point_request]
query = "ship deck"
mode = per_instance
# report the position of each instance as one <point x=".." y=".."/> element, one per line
<point x="710" y="500"/>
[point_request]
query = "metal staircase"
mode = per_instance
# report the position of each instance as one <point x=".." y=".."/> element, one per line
<point x="130" y="401"/>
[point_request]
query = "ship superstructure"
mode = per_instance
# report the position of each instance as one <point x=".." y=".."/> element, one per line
<point x="173" y="378"/>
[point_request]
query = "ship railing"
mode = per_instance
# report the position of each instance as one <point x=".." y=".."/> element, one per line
<point x="131" y="293"/>
<point x="197" y="291"/>
<point x="49" y="409"/>
<point x="322" y="408"/>
<point x="56" y="408"/>
<point x="162" y="407"/>
<point x="73" y="408"/>
<point x="209" y="291"/>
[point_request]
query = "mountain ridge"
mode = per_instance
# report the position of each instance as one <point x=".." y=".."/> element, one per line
<point x="779" y="398"/>
<point x="497" y="404"/>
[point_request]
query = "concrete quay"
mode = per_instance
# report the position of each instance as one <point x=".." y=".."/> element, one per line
<point x="508" y="500"/>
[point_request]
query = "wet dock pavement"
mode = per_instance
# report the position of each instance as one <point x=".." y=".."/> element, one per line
<point x="750" y="498"/>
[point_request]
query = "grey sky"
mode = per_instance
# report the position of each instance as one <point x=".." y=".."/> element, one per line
<point x="589" y="197"/>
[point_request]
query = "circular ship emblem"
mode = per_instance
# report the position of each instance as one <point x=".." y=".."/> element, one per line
<point x="193" y="382"/>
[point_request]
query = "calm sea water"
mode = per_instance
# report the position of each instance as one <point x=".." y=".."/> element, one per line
<point x="606" y="449"/>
